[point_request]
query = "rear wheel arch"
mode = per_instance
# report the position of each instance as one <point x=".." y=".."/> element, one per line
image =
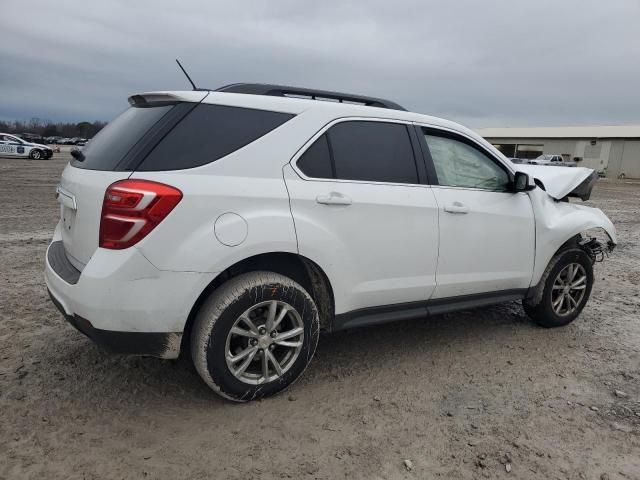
<point x="254" y="335"/>
<point x="297" y="267"/>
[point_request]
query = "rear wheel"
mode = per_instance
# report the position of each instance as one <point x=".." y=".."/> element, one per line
<point x="254" y="336"/>
<point x="567" y="285"/>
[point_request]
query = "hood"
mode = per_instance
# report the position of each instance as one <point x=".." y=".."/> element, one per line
<point x="561" y="182"/>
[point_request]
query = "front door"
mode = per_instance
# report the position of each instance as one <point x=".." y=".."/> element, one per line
<point x="487" y="233"/>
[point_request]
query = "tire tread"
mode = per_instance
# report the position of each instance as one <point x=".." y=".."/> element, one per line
<point x="213" y="308"/>
<point x="538" y="309"/>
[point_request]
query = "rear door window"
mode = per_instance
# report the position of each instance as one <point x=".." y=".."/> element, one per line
<point x="373" y="151"/>
<point x="111" y="144"/>
<point x="208" y="133"/>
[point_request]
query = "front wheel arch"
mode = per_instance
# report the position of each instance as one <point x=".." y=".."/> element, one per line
<point x="539" y="306"/>
<point x="534" y="295"/>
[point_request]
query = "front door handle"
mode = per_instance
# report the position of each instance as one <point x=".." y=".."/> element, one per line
<point x="333" y="198"/>
<point x="456" y="207"/>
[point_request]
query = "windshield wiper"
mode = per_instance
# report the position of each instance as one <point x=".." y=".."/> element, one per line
<point x="77" y="154"/>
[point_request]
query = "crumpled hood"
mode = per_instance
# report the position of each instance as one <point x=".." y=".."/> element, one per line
<point x="560" y="182"/>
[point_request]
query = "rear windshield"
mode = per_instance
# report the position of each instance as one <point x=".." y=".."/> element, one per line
<point x="111" y="144"/>
<point x="210" y="132"/>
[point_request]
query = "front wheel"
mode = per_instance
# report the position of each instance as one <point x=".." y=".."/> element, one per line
<point x="35" y="154"/>
<point x="254" y="336"/>
<point x="567" y="284"/>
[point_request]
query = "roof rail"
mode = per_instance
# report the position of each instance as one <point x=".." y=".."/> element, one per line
<point x="297" y="92"/>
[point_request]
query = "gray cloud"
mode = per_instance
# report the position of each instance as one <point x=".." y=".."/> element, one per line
<point x="501" y="62"/>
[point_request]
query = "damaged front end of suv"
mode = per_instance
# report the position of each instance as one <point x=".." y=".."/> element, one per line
<point x="564" y="229"/>
<point x="559" y="221"/>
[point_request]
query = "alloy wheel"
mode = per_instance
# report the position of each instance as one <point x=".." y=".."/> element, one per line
<point x="568" y="289"/>
<point x="264" y="342"/>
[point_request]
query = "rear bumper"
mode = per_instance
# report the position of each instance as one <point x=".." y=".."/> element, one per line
<point x="121" y="301"/>
<point x="155" y="344"/>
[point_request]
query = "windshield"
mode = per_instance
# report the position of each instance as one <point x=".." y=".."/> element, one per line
<point x="545" y="157"/>
<point x="111" y="144"/>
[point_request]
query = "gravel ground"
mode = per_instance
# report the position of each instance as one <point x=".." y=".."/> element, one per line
<point x="482" y="393"/>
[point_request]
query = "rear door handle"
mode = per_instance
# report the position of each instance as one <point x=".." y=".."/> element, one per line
<point x="456" y="207"/>
<point x="333" y="198"/>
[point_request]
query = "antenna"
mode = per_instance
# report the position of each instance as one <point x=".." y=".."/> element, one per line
<point x="186" y="74"/>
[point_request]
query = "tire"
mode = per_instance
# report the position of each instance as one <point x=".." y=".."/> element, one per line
<point x="551" y="311"/>
<point x="253" y="295"/>
<point x="35" y="154"/>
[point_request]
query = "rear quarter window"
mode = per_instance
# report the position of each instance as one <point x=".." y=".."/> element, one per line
<point x="208" y="133"/>
<point x="316" y="161"/>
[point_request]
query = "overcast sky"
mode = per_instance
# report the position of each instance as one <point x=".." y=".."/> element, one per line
<point x="482" y="63"/>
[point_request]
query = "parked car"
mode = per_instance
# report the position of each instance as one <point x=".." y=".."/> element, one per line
<point x="555" y="160"/>
<point x="237" y="224"/>
<point x="518" y="160"/>
<point x="31" y="138"/>
<point x="13" y="146"/>
<point x="54" y="140"/>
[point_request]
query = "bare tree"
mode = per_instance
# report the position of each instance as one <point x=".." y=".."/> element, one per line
<point x="47" y="128"/>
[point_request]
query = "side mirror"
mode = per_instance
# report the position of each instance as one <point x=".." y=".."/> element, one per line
<point x="521" y="182"/>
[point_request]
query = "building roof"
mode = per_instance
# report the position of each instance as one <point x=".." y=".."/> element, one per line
<point x="610" y="131"/>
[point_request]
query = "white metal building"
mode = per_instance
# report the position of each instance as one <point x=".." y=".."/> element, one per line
<point x="612" y="149"/>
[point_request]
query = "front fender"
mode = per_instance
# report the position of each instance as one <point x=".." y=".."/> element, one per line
<point x="557" y="222"/>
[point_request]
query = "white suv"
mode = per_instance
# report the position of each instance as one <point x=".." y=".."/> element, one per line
<point x="237" y="224"/>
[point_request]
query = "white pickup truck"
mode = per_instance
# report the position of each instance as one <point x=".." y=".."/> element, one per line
<point x="555" y="160"/>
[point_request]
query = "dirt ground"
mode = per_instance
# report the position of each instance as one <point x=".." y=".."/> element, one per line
<point x="482" y="393"/>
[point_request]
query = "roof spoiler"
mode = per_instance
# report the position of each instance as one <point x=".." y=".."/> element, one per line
<point x="155" y="99"/>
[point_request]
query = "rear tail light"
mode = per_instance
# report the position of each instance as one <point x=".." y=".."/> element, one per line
<point x="133" y="208"/>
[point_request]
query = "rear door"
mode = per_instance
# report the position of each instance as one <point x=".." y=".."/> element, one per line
<point x="9" y="146"/>
<point x="487" y="235"/>
<point x="362" y="210"/>
<point x="5" y="149"/>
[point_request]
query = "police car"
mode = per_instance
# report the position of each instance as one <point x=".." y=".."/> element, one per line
<point x="12" y="146"/>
